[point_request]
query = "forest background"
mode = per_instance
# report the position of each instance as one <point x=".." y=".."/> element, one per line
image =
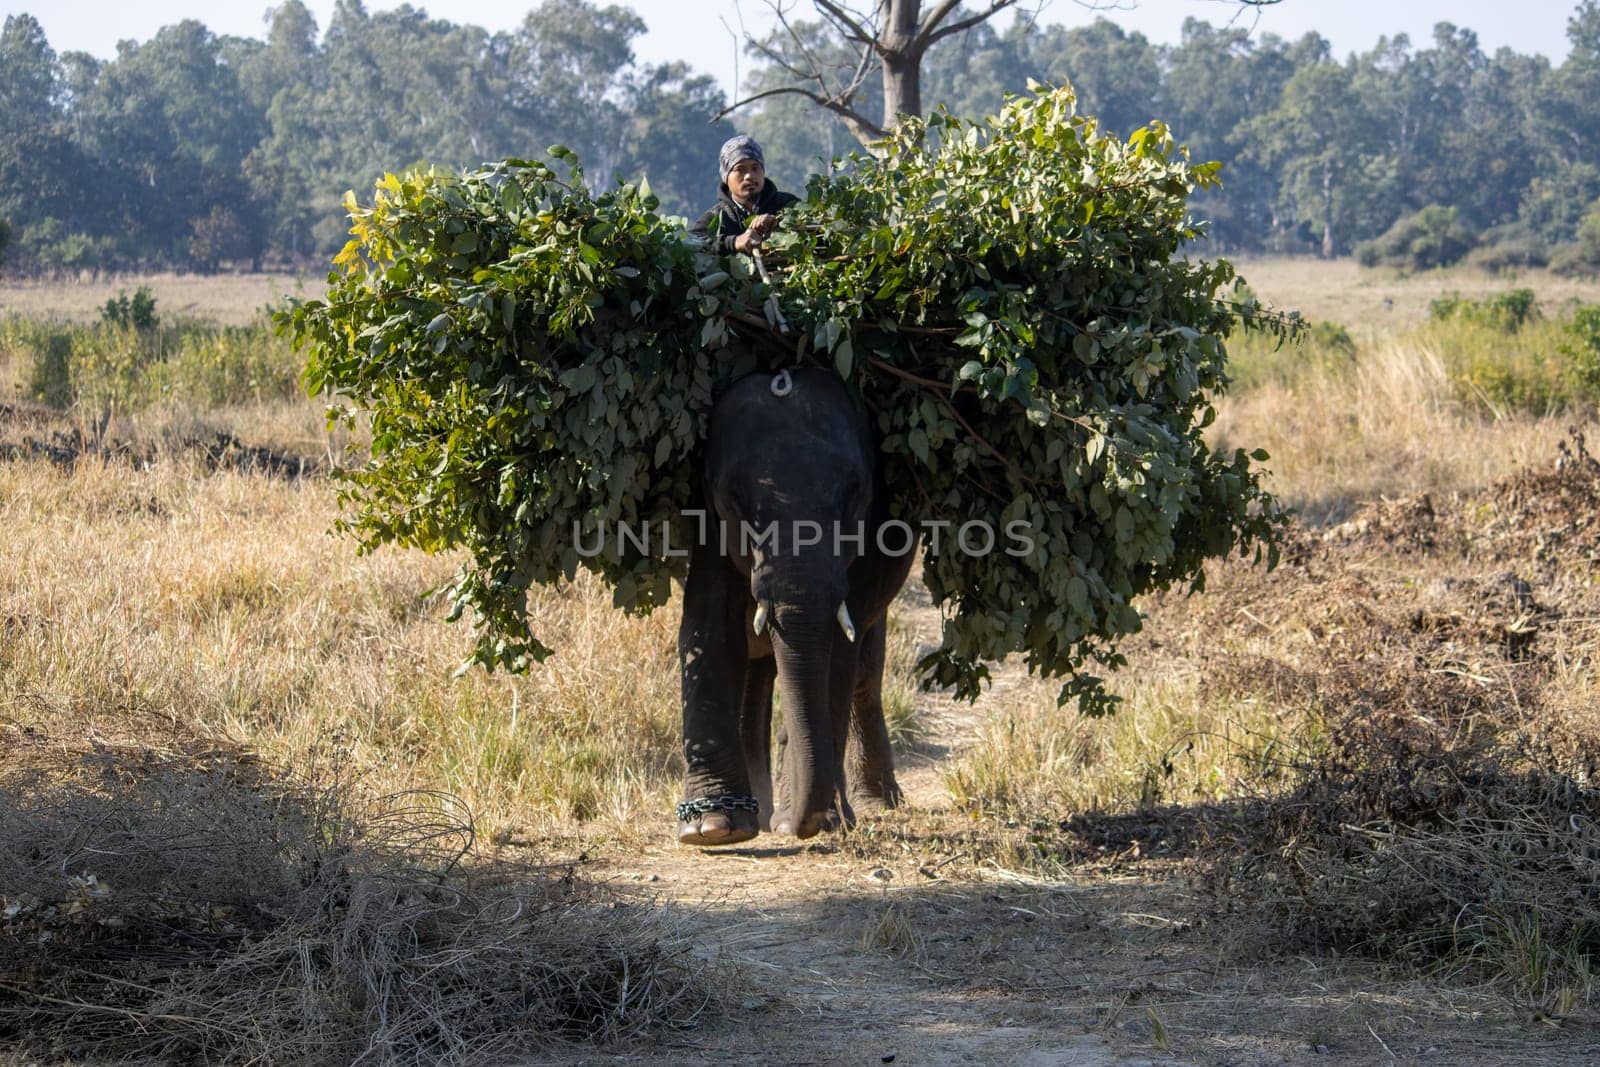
<point x="199" y="152"/>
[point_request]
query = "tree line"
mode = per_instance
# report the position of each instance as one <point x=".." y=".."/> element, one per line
<point x="193" y="150"/>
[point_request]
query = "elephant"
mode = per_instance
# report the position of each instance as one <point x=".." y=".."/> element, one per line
<point x="805" y="609"/>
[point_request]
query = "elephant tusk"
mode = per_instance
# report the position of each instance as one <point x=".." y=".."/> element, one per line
<point x="845" y="623"/>
<point x="761" y="619"/>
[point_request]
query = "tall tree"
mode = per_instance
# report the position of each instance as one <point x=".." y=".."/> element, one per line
<point x="1320" y="139"/>
<point x="1214" y="83"/>
<point x="893" y="36"/>
<point x="41" y="173"/>
<point x="568" y="60"/>
<point x="172" y="121"/>
<point x="667" y="138"/>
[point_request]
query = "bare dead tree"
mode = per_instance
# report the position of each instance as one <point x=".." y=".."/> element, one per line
<point x="892" y="36"/>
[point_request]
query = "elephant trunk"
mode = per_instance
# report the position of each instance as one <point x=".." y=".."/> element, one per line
<point x="803" y="648"/>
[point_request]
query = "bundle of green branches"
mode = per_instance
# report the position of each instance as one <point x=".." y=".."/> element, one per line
<point x="1008" y="296"/>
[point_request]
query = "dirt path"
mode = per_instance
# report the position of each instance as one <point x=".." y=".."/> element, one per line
<point x="890" y="945"/>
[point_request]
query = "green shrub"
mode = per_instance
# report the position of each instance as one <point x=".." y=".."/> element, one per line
<point x="123" y="366"/>
<point x="1432" y="237"/>
<point x="138" y="311"/>
<point x="1546" y="367"/>
<point x="1330" y="337"/>
<point x="109" y="366"/>
<point x="1503" y="249"/>
<point x="1256" y="359"/>
<point x="1509" y="311"/>
<point x="48" y="244"/>
<point x="1582" y="349"/>
<point x="1582" y="257"/>
<point x="231" y="365"/>
<point x="44" y="349"/>
<point x="1500" y="385"/>
<point x="1555" y="202"/>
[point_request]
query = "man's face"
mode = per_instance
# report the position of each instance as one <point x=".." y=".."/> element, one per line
<point x="746" y="180"/>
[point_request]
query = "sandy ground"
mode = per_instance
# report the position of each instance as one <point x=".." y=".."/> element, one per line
<point x="888" y="945"/>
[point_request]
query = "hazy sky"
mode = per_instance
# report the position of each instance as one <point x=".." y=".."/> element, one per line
<point x="697" y="31"/>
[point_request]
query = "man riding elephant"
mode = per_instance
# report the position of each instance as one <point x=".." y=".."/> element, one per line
<point x="748" y="202"/>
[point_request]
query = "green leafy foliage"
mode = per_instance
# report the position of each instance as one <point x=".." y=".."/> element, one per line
<point x="122" y="366"/>
<point x="1432" y="237"/>
<point x="1509" y="248"/>
<point x="1582" y="349"/>
<point x="1581" y="257"/>
<point x="137" y="311"/>
<point x="1008" y="296"/>
<point x="1509" y="311"/>
<point x="1332" y="337"/>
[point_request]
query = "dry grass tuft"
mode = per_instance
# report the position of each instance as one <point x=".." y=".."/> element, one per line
<point x="191" y="902"/>
<point x="892" y="931"/>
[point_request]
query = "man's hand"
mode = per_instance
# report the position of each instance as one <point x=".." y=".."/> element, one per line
<point x="759" y="229"/>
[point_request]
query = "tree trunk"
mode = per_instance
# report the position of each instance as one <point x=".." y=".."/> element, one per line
<point x="902" y="61"/>
<point x="1327" y="209"/>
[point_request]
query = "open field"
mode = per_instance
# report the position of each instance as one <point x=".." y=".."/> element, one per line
<point x="1220" y="874"/>
<point x="1382" y="299"/>
<point x="231" y="299"/>
<point x="1339" y="291"/>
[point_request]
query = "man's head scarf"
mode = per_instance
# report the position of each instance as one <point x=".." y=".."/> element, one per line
<point x="736" y="150"/>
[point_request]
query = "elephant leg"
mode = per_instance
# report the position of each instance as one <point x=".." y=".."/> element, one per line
<point x="780" y="775"/>
<point x="755" y="725"/>
<point x="870" y="760"/>
<point x="718" y="806"/>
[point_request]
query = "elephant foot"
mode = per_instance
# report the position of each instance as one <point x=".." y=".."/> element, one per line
<point x="712" y="821"/>
<point x="875" y="801"/>
<point x="814" y="823"/>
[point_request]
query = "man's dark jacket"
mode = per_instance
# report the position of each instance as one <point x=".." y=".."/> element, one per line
<point x="725" y="222"/>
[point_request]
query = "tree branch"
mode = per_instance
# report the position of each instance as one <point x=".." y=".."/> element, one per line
<point x="930" y="31"/>
<point x="852" y="25"/>
<point x="778" y="59"/>
<point x="863" y="128"/>
<point x="799" y="42"/>
<point x="860" y="76"/>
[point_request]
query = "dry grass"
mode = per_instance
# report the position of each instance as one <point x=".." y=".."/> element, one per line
<point x="190" y="904"/>
<point x="1168" y="744"/>
<point x="1390" y="422"/>
<point x="217" y="600"/>
<point x="231" y="299"/>
<point x="221" y="600"/>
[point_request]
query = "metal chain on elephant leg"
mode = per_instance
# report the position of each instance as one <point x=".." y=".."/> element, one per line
<point x="725" y="802"/>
